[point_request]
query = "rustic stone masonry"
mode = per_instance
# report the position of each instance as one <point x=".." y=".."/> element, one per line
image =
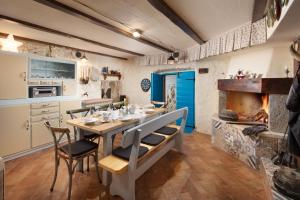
<point x="229" y="138"/>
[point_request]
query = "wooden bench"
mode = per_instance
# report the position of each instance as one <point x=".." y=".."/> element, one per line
<point x="125" y="172"/>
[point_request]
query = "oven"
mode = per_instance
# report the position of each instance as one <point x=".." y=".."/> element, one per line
<point x="42" y="91"/>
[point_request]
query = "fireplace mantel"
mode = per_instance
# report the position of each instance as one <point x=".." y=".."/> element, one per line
<point x="262" y="85"/>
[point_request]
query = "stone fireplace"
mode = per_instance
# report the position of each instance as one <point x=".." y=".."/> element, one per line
<point x="255" y="102"/>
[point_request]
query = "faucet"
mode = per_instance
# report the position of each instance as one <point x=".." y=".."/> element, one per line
<point x="86" y="94"/>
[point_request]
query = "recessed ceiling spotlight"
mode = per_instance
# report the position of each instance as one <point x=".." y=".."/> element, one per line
<point x="137" y="33"/>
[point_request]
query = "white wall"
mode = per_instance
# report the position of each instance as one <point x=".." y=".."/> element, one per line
<point x="268" y="60"/>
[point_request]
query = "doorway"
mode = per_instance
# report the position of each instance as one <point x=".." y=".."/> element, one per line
<point x="178" y="89"/>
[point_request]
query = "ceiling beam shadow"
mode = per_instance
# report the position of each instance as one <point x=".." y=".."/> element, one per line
<point x="77" y="13"/>
<point x="59" y="45"/>
<point x="53" y="31"/>
<point x="166" y="10"/>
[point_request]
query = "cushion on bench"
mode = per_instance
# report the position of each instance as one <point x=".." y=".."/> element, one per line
<point x="153" y="139"/>
<point x="166" y="130"/>
<point x="125" y="153"/>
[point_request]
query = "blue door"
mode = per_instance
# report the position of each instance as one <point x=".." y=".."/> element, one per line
<point x="185" y="97"/>
<point x="157" y="87"/>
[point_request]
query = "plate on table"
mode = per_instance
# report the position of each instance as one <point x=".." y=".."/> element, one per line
<point x="125" y="119"/>
<point x="90" y="121"/>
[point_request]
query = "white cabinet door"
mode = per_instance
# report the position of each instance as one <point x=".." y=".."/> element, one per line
<point x="14" y="132"/>
<point x="68" y="105"/>
<point x="13" y="84"/>
<point x="40" y="135"/>
<point x="69" y="88"/>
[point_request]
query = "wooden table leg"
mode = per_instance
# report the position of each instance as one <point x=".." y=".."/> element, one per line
<point x="107" y="149"/>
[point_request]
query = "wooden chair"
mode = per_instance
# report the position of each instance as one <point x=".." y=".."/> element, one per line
<point x="71" y="153"/>
<point x="138" y="153"/>
<point x="85" y="134"/>
<point x="116" y="105"/>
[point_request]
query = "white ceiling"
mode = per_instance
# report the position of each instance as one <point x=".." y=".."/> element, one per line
<point x="207" y="17"/>
<point x="210" y="18"/>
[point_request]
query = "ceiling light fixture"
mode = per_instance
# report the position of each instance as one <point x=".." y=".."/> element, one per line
<point x="84" y="58"/>
<point x="9" y="44"/>
<point x="137" y="33"/>
<point x="171" y="60"/>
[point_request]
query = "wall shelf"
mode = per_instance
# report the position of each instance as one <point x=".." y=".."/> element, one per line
<point x="112" y="75"/>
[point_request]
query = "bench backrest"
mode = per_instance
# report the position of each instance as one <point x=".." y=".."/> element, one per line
<point x="134" y="135"/>
<point x="149" y="127"/>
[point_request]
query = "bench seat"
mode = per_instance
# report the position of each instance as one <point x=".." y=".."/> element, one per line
<point x="118" y="165"/>
<point x="153" y="139"/>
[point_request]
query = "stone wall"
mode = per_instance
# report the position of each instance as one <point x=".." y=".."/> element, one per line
<point x="229" y="138"/>
<point x="278" y="114"/>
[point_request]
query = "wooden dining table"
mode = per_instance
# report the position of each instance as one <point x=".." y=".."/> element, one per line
<point x="109" y="129"/>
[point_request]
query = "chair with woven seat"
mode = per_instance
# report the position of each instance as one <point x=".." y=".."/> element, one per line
<point x="85" y="134"/>
<point x="71" y="152"/>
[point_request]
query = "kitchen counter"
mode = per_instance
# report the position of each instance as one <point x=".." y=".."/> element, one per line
<point x="10" y="102"/>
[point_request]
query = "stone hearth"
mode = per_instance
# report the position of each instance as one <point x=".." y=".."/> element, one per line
<point x="229" y="138"/>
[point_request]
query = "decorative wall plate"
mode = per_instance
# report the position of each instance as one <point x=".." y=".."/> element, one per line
<point x="145" y="84"/>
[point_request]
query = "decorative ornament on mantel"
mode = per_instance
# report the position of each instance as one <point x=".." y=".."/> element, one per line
<point x="10" y="44"/>
<point x="145" y="84"/>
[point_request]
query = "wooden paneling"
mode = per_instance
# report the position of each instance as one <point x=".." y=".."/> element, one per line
<point x="14" y="132"/>
<point x="264" y="85"/>
<point x="13" y="83"/>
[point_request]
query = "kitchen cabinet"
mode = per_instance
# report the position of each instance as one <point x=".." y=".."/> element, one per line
<point x="41" y="112"/>
<point x="64" y="106"/>
<point x="49" y="68"/>
<point x="40" y="135"/>
<point x="13" y="83"/>
<point x="69" y="88"/>
<point x="15" y="129"/>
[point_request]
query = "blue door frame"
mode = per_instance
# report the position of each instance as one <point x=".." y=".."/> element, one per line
<point x="185" y="94"/>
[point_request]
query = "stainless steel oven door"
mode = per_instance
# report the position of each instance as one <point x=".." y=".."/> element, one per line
<point x="44" y="92"/>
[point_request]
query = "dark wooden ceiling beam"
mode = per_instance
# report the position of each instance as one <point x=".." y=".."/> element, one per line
<point x="166" y="10"/>
<point x="53" y="31"/>
<point x="77" y="13"/>
<point x="259" y="9"/>
<point x="59" y="45"/>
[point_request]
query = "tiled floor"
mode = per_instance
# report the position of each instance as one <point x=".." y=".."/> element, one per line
<point x="202" y="172"/>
